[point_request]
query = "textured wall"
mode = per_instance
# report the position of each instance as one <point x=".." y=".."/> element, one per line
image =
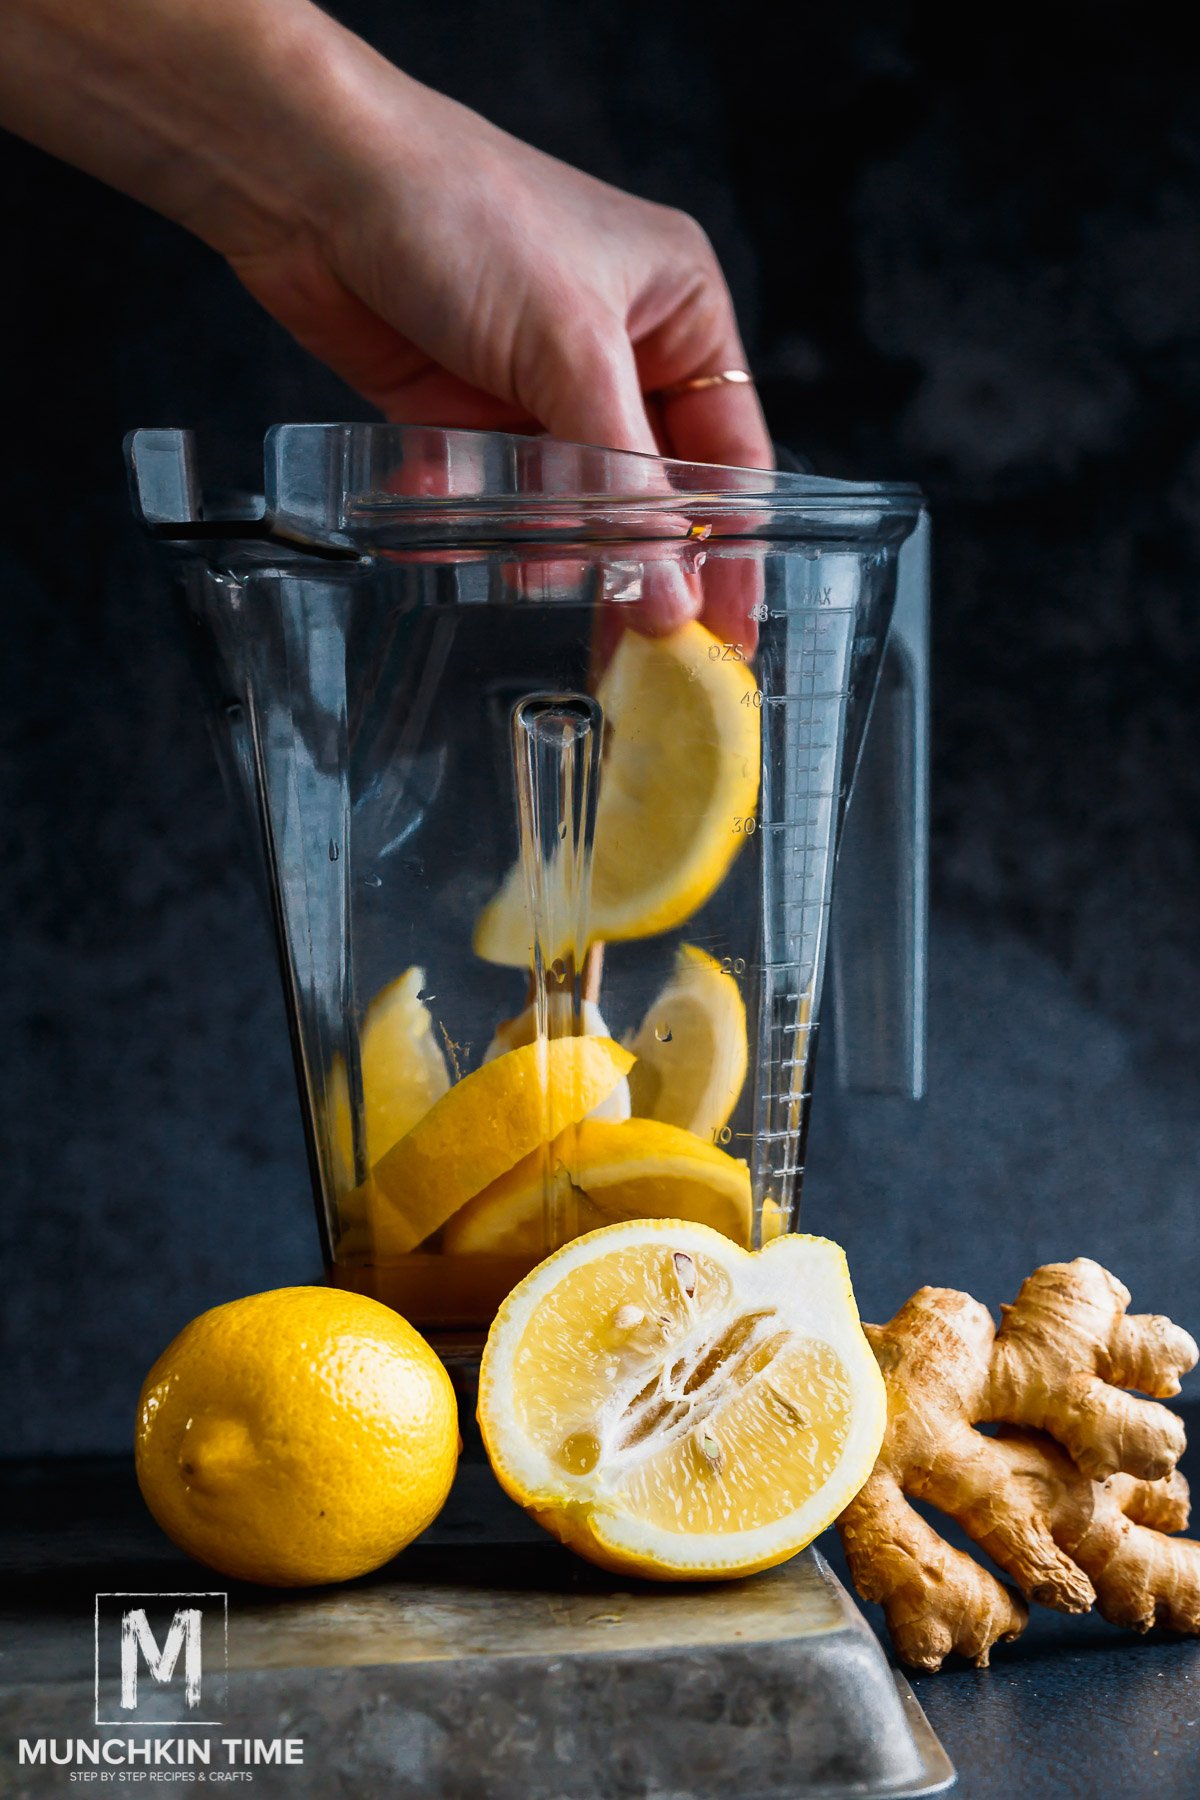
<point x="960" y="255"/>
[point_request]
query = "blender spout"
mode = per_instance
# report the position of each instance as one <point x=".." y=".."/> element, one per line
<point x="556" y="763"/>
<point x="556" y="742"/>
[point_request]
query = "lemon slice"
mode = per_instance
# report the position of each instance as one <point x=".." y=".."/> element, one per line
<point x="485" y="1123"/>
<point x="691" y="1049"/>
<point x="672" y="1406"/>
<point x="403" y="1070"/>
<point x="638" y="1169"/>
<point x="678" y="781"/>
<point x="511" y="1033"/>
<point x="509" y="1218"/>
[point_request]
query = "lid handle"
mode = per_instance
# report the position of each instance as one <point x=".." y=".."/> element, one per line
<point x="164" y="485"/>
<point x="880" y="924"/>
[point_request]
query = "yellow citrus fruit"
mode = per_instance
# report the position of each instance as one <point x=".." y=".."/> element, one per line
<point x="509" y="1218"/>
<point x="773" y="1222"/>
<point x="296" y="1437"/>
<point x="486" y="1122"/>
<point x="670" y="1405"/>
<point x="512" y="1033"/>
<point x="678" y="782"/>
<point x="691" y="1049"/>
<point x="403" y="1070"/>
<point x="637" y="1169"/>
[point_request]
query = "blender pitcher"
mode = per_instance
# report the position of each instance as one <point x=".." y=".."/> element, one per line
<point x="547" y="752"/>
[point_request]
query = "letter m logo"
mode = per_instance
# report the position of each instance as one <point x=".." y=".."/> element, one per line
<point x="137" y="1640"/>
<point x="160" y="1658"/>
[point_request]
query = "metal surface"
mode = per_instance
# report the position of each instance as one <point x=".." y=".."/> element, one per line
<point x="489" y="1664"/>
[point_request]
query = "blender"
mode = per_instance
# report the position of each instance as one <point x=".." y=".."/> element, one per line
<point x="546" y="748"/>
<point x="547" y="755"/>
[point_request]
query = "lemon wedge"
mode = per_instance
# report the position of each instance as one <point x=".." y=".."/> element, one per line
<point x="672" y="1406"/>
<point x="637" y="1169"/>
<point x="481" y="1127"/>
<point x="512" y="1033"/>
<point x="403" y="1070"/>
<point x="691" y="1049"/>
<point x="678" y="782"/>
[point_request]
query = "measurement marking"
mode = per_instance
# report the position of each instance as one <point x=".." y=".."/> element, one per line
<point x="816" y="694"/>
<point x="824" y="612"/>
<point x="793" y="824"/>
<point x="788" y="1169"/>
<point x="799" y="818"/>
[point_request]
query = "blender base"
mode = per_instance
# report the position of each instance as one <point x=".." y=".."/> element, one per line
<point x="489" y="1661"/>
<point x="486" y="1663"/>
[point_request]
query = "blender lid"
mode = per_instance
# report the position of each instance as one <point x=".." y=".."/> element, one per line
<point x="347" y="490"/>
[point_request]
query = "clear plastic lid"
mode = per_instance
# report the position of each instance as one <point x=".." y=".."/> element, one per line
<point x="364" y="488"/>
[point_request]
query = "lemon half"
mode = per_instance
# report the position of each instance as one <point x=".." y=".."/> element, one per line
<point x="670" y="1405"/>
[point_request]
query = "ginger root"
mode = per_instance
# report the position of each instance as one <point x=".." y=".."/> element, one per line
<point x="1071" y="1497"/>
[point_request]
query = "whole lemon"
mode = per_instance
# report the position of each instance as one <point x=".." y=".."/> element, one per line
<point x="295" y="1437"/>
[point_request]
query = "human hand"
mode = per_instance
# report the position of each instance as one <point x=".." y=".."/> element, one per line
<point x="454" y="275"/>
<point x="450" y="273"/>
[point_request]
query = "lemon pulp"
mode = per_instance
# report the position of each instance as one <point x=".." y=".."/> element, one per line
<point x="403" y="1073"/>
<point x="715" y="1417"/>
<point x="672" y="1405"/>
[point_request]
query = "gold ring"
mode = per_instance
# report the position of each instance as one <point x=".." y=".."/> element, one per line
<point x="696" y="384"/>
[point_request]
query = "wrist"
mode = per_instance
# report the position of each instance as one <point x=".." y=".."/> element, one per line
<point x="318" y="121"/>
<point x="269" y="151"/>
<point x="237" y="118"/>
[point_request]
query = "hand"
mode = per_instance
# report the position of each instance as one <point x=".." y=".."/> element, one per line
<point x="450" y="273"/>
<point x="464" y="278"/>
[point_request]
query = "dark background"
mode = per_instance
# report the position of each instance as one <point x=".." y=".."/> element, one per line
<point x="966" y="249"/>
